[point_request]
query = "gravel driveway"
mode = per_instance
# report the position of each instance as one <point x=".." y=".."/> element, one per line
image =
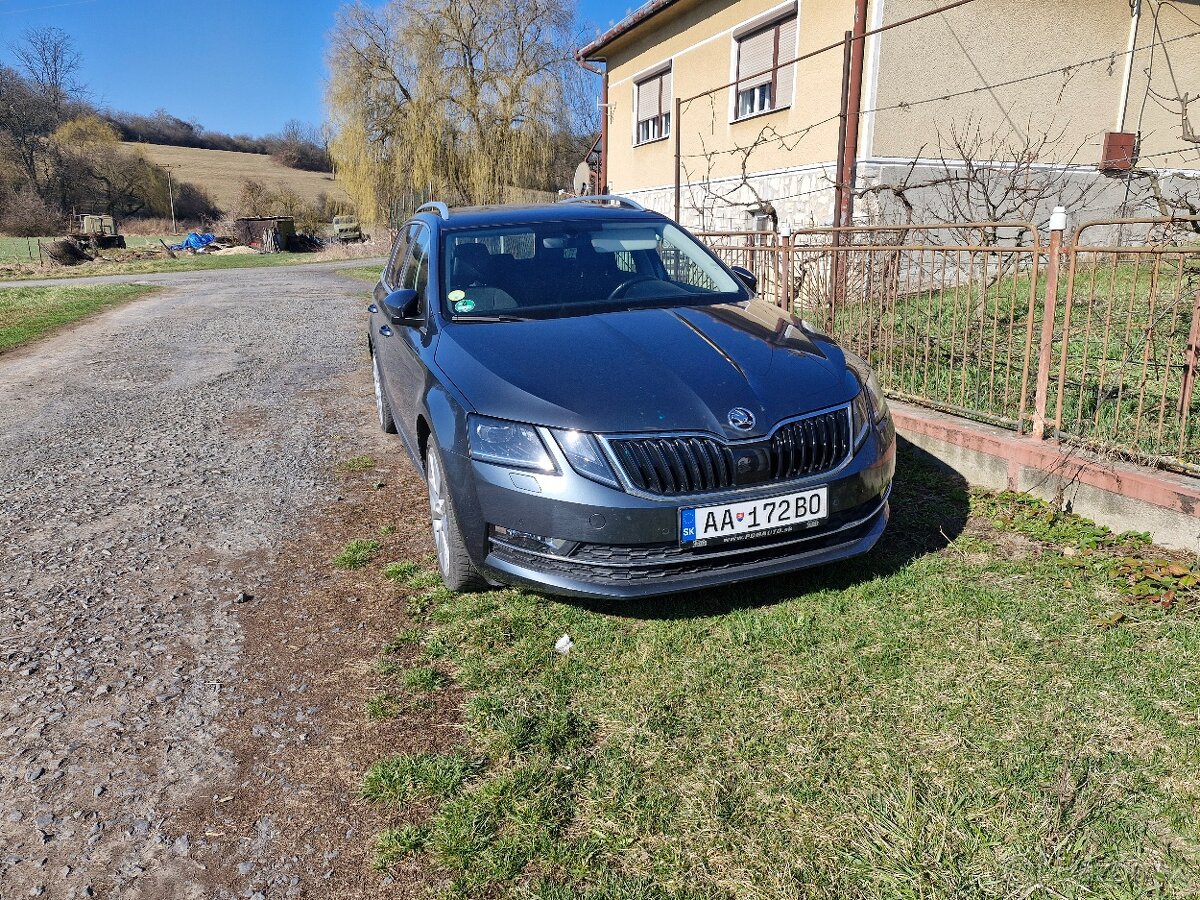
<point x="152" y="460"/>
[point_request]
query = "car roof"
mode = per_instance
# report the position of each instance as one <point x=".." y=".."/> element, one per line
<point x="480" y="216"/>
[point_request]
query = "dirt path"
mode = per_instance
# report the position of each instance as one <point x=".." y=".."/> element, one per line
<point x="159" y="737"/>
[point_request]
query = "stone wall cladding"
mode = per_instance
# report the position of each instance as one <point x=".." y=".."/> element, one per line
<point x="801" y="197"/>
<point x="804" y="197"/>
<point x="1104" y="196"/>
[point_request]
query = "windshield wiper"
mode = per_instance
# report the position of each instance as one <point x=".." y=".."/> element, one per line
<point x="491" y="319"/>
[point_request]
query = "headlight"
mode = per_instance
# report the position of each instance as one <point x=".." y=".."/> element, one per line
<point x="582" y="451"/>
<point x="860" y="413"/>
<point x="879" y="404"/>
<point x="507" y="443"/>
<point x="870" y="404"/>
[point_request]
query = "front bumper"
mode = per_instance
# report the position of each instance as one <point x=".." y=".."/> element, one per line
<point x="622" y="546"/>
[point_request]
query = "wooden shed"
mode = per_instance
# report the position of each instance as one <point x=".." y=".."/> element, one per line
<point x="261" y="232"/>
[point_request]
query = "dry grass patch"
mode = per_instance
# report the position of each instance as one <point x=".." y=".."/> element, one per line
<point x="220" y="173"/>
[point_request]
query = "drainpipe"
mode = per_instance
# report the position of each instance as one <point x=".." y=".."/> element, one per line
<point x="852" y="106"/>
<point x="1136" y="8"/>
<point x="603" y="73"/>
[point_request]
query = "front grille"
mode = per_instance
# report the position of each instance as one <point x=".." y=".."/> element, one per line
<point x="670" y="466"/>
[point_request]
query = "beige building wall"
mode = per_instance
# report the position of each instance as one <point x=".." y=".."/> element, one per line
<point x="1005" y="71"/>
<point x="697" y="39"/>
<point x="981" y="46"/>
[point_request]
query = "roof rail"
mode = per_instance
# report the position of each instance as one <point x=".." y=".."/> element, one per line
<point x="436" y="206"/>
<point x="606" y="198"/>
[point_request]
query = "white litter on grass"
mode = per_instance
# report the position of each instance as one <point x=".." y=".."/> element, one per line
<point x="563" y="645"/>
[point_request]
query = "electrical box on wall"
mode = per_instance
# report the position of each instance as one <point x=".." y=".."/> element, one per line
<point x="1117" y="154"/>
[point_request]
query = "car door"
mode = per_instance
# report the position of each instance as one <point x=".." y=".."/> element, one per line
<point x="399" y="345"/>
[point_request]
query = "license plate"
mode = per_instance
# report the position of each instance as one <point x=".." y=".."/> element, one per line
<point x="731" y="522"/>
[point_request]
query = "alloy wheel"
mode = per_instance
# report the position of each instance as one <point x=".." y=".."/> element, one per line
<point x="438" y="511"/>
<point x="378" y="391"/>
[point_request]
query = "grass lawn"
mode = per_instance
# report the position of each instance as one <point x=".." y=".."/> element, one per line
<point x="992" y="717"/>
<point x="25" y="250"/>
<point x="18" y="249"/>
<point x="369" y="274"/>
<point x="29" y="313"/>
<point x="181" y="264"/>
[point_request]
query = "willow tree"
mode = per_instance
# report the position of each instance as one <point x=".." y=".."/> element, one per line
<point x="462" y="98"/>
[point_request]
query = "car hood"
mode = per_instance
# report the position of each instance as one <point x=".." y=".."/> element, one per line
<point x="674" y="369"/>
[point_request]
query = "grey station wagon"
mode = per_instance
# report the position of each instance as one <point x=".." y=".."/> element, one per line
<point x="601" y="407"/>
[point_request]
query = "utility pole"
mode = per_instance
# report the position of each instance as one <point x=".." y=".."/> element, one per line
<point x="171" y="191"/>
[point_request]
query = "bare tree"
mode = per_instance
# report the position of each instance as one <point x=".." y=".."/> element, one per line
<point x="49" y="60"/>
<point x="1175" y="197"/>
<point x="26" y="119"/>
<point x="988" y="176"/>
<point x="712" y="196"/>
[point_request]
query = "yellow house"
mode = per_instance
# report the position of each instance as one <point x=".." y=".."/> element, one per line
<point x="748" y="104"/>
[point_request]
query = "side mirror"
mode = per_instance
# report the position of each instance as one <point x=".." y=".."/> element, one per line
<point x="403" y="307"/>
<point x="746" y="277"/>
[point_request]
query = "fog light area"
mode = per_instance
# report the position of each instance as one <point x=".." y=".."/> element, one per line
<point x="536" y="543"/>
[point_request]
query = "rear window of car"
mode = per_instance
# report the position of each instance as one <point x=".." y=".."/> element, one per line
<point x="551" y="269"/>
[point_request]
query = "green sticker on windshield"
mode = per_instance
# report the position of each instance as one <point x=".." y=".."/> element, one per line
<point x="464" y="305"/>
<point x="456" y="295"/>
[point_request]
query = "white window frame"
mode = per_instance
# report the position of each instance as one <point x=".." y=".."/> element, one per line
<point x="661" y="128"/>
<point x="772" y="17"/>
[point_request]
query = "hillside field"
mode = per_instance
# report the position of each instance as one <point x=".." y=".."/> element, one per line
<point x="221" y="172"/>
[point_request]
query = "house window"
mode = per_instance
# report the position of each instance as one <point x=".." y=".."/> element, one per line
<point x="762" y="83"/>
<point x="653" y="106"/>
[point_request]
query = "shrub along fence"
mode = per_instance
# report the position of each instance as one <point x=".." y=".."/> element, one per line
<point x="1093" y="339"/>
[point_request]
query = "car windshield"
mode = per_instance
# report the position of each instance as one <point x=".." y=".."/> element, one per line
<point x="553" y="269"/>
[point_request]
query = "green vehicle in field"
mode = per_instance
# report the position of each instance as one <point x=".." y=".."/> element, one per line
<point x="97" y="232"/>
<point x="346" y="229"/>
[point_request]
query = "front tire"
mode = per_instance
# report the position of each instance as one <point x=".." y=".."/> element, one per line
<point x="382" y="407"/>
<point x="454" y="564"/>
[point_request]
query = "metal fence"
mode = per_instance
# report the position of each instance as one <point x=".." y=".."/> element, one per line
<point x="27" y="251"/>
<point x="1092" y="340"/>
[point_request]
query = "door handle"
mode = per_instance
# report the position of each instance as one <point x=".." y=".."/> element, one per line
<point x="372" y="308"/>
<point x="385" y="331"/>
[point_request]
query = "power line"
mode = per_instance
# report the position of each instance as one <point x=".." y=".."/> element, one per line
<point x="1181" y="152"/>
<point x="1065" y="70"/>
<point x="834" y="46"/>
<point x="908" y="104"/>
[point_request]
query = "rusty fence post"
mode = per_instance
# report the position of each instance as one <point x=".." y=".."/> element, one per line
<point x="1058" y="224"/>
<point x="785" y="282"/>
<point x="1191" y="362"/>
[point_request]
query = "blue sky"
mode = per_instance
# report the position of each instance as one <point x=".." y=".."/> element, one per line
<point x="240" y="66"/>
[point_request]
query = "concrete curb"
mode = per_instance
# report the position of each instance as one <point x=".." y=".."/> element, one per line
<point x="1121" y="496"/>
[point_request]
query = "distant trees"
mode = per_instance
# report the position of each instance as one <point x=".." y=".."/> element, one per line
<point x="258" y="199"/>
<point x="97" y="171"/>
<point x="58" y="155"/>
<point x="469" y="100"/>
<point x="298" y="146"/>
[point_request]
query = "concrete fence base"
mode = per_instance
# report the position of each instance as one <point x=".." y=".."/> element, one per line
<point x="1121" y="496"/>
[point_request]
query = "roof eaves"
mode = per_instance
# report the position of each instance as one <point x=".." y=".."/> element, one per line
<point x="636" y="18"/>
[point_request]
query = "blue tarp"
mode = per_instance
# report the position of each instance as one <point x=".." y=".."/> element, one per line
<point x="195" y="242"/>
